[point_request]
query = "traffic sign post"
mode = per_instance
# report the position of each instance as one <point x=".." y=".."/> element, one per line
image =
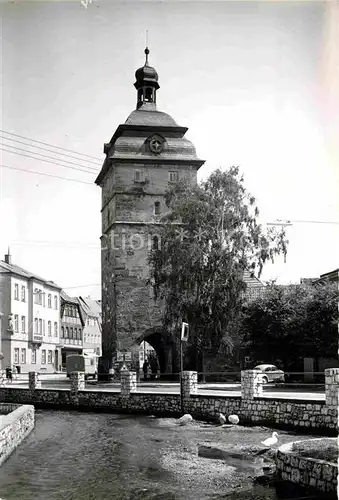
<point x="183" y="338"/>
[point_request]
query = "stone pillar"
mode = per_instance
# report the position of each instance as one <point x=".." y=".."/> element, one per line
<point x="128" y="383"/>
<point x="331" y="387"/>
<point x="34" y="381"/>
<point x="77" y="382"/>
<point x="251" y="384"/>
<point x="188" y="386"/>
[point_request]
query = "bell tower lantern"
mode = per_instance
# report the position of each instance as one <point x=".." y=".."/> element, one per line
<point x="146" y="83"/>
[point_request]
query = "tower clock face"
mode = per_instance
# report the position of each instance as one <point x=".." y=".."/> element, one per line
<point x="156" y="145"/>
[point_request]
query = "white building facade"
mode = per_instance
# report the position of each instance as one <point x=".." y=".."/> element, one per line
<point x="30" y="320"/>
<point x="92" y="339"/>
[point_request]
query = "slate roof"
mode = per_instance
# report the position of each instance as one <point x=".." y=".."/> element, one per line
<point x="19" y="271"/>
<point x="150" y="116"/>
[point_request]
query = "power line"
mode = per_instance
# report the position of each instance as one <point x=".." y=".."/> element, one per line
<point x="50" y="151"/>
<point x="46" y="175"/>
<point x="46" y="144"/>
<point x="47" y="161"/>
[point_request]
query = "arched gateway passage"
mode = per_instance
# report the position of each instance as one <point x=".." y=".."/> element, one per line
<point x="164" y="348"/>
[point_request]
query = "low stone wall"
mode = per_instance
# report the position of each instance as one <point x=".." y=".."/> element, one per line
<point x="311" y="415"/>
<point x="306" y="471"/>
<point x="296" y="413"/>
<point x="16" y="422"/>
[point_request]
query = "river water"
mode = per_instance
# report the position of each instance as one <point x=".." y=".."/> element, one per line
<point x="97" y="456"/>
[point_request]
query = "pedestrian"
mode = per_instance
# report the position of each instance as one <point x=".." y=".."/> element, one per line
<point x="145" y="369"/>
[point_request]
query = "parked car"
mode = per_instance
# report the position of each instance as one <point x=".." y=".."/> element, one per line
<point x="271" y="373"/>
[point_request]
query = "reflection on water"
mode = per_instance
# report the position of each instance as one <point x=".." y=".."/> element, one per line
<point x="93" y="456"/>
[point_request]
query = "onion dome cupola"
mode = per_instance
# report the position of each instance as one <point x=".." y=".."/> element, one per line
<point x="146" y="83"/>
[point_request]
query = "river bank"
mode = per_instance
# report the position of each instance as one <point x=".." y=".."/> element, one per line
<point x="77" y="456"/>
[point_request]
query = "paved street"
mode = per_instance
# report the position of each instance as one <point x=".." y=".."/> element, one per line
<point x="60" y="381"/>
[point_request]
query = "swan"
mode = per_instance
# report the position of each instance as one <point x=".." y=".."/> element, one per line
<point x="272" y="440"/>
<point x="222" y="419"/>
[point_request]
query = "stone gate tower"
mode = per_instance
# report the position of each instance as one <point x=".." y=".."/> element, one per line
<point x="146" y="154"/>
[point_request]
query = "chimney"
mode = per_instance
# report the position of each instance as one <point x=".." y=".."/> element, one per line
<point x="8" y="257"/>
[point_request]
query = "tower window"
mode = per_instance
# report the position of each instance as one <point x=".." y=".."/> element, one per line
<point x="138" y="176"/>
<point x="172" y="176"/>
<point x="155" y="243"/>
<point x="157" y="208"/>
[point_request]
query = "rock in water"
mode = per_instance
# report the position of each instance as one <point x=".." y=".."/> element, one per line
<point x="185" y="419"/>
<point x="234" y="419"/>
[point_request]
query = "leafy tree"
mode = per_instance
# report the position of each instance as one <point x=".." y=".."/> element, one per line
<point x="209" y="237"/>
<point x="292" y="322"/>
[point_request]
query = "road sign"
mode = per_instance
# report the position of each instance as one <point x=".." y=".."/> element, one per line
<point x="124" y="356"/>
<point x="184" y="332"/>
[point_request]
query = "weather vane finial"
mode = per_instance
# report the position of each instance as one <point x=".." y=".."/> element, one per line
<point x="146" y="49"/>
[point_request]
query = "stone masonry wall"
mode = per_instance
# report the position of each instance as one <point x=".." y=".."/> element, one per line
<point x="306" y="471"/>
<point x="271" y="412"/>
<point x="14" y="427"/>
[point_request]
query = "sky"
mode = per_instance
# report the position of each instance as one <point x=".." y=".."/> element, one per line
<point x="254" y="82"/>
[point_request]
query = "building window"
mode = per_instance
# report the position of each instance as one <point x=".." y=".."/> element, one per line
<point x="16" y="323"/>
<point x="79" y="335"/>
<point x="36" y="325"/>
<point x="62" y="332"/>
<point x="49" y="360"/>
<point x="16" y="355"/>
<point x="23" y="324"/>
<point x="138" y="176"/>
<point x="16" y="291"/>
<point x="23" y="356"/>
<point x="49" y="301"/>
<point x="44" y="299"/>
<point x="44" y="327"/>
<point x="55" y="302"/>
<point x="38" y="296"/>
<point x="172" y="176"/>
<point x="157" y="208"/>
<point x="23" y="294"/>
<point x="71" y="336"/>
<point x="55" y="329"/>
<point x="49" y="328"/>
<point x="67" y="333"/>
<point x="43" y="357"/>
<point x="33" y="357"/>
<point x="40" y="326"/>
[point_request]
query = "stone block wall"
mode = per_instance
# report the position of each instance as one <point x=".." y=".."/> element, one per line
<point x="332" y="387"/>
<point x="128" y="383"/>
<point x="14" y="427"/>
<point x="251" y="384"/>
<point x="306" y="471"/>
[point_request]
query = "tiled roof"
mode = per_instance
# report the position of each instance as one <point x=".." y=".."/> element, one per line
<point x="19" y="271"/>
<point x="67" y="298"/>
<point x="91" y="307"/>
